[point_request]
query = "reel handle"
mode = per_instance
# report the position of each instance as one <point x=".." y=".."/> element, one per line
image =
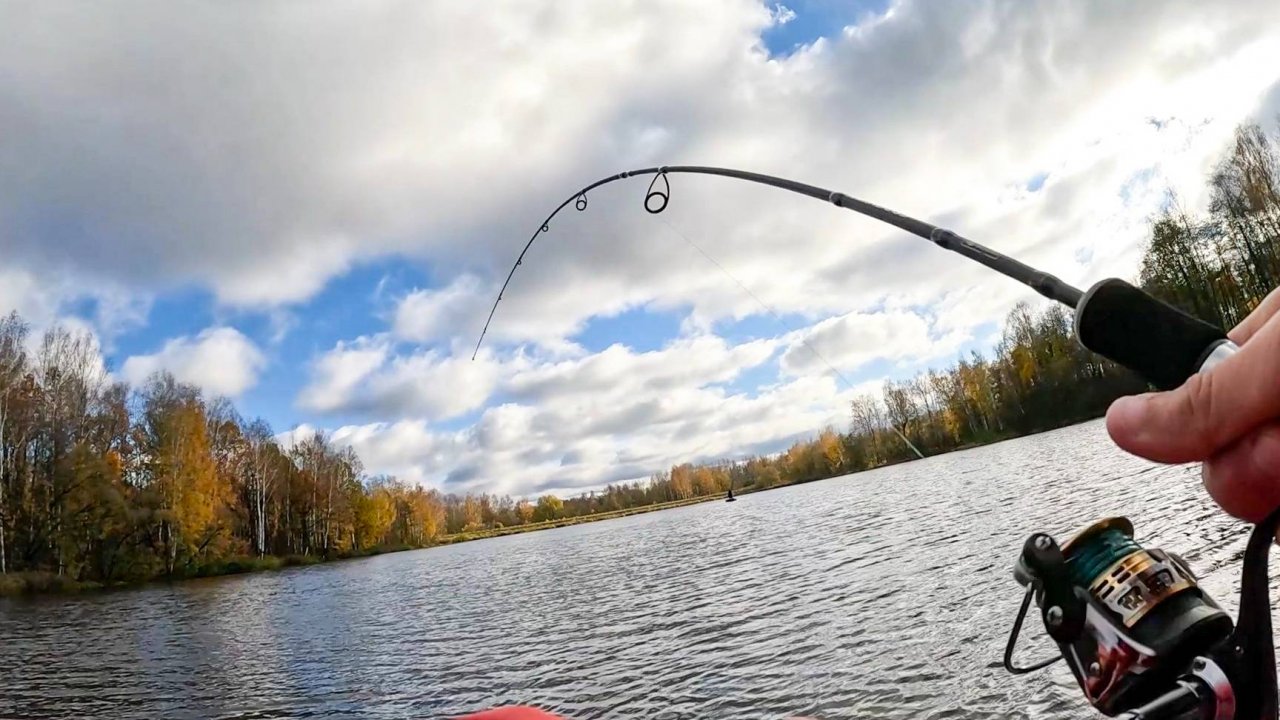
<point x="1147" y="335"/>
<point x="1176" y="703"/>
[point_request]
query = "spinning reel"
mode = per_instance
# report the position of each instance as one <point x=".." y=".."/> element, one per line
<point x="1141" y="637"/>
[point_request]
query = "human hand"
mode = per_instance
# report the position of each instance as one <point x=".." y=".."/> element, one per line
<point x="1228" y="418"/>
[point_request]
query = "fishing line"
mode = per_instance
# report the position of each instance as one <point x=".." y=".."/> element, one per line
<point x="778" y="318"/>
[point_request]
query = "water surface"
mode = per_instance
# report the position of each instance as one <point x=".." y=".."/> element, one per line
<point x="886" y="594"/>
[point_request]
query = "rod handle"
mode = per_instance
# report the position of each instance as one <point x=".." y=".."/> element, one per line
<point x="1147" y="335"/>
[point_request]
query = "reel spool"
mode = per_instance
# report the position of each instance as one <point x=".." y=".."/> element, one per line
<point x="1140" y="635"/>
<point x="1130" y="580"/>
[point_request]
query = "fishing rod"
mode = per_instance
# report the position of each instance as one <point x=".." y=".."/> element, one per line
<point x="1112" y="318"/>
<point x="1141" y="637"/>
<point x="655" y="201"/>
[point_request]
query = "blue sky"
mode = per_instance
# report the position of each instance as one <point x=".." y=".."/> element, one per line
<point x="312" y="215"/>
<point x="350" y="305"/>
<point x="815" y="19"/>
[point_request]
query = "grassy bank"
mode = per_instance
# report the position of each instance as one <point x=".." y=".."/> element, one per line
<point x="35" y="583"/>
<point x="47" y="583"/>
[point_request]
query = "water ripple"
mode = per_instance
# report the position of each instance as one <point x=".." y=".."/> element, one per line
<point x="883" y="595"/>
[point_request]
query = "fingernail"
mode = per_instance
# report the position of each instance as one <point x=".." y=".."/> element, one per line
<point x="1127" y="408"/>
<point x="1127" y="413"/>
<point x="1129" y="423"/>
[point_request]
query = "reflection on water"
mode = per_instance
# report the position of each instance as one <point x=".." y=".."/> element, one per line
<point x="886" y="594"/>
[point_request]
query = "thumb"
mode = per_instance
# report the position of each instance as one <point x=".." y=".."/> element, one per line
<point x="1209" y="412"/>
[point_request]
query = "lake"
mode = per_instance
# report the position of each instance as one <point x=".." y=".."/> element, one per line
<point x="885" y="594"/>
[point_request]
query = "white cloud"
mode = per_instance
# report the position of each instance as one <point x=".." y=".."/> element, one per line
<point x="336" y="375"/>
<point x="428" y="315"/>
<point x="262" y="152"/>
<point x="21" y="292"/>
<point x="367" y="377"/>
<point x="258" y="152"/>
<point x="1077" y="110"/>
<point x="220" y="360"/>
<point x="619" y="370"/>
<point x="42" y="299"/>
<point x="850" y="341"/>
<point x="430" y="384"/>
<point x="455" y="314"/>
<point x="566" y="447"/>
<point x="565" y="424"/>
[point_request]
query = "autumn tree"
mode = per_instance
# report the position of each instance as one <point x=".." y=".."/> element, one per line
<point x="180" y="471"/>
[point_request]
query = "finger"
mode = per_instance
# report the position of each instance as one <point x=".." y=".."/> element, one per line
<point x="1209" y="412"/>
<point x="1245" y="478"/>
<point x="1249" y="327"/>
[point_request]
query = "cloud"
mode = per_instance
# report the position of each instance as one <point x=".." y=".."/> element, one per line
<point x="567" y="447"/>
<point x="619" y="370"/>
<point x="1075" y="111"/>
<point x="259" y="152"/>
<point x="429" y="384"/>
<point x="336" y="375"/>
<point x="368" y="378"/>
<point x="220" y="360"/>
<point x="43" y="299"/>
<point x="21" y="292"/>
<point x="429" y="315"/>
<point x="565" y="424"/>
<point x="850" y="341"/>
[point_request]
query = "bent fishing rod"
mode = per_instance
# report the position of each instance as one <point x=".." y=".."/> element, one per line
<point x="1113" y="318"/>
<point x="1141" y="637"/>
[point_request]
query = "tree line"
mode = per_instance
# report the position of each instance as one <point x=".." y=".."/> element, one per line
<point x="102" y="482"/>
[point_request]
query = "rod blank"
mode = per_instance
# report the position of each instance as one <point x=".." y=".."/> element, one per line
<point x="1042" y="282"/>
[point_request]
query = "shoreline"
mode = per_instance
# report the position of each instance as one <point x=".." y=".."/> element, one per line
<point x="43" y="583"/>
<point x="468" y="536"/>
<point x="38" y="584"/>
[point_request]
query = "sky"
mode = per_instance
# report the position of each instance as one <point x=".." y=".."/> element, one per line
<point x="309" y="207"/>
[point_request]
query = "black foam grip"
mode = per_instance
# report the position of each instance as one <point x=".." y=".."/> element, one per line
<point x="1155" y="339"/>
